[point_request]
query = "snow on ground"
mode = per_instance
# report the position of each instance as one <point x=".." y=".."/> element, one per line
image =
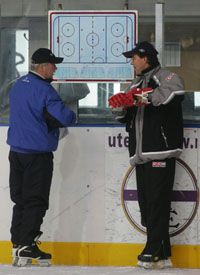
<point x="77" y="270"/>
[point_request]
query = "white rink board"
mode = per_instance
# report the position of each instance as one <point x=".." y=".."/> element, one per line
<point x="85" y="202"/>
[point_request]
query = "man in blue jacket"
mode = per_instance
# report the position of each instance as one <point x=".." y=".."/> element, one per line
<point x="36" y="114"/>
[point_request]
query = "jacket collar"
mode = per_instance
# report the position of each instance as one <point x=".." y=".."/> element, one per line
<point x="150" y="70"/>
<point x="40" y="77"/>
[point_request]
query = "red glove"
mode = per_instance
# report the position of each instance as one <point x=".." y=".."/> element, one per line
<point x="121" y="100"/>
<point x="134" y="97"/>
<point x="140" y="95"/>
<point x="139" y="91"/>
<point x="117" y="100"/>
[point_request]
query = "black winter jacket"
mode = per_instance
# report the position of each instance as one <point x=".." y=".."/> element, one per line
<point x="156" y="130"/>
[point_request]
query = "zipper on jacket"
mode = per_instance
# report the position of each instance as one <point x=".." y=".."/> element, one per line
<point x="164" y="137"/>
<point x="132" y="121"/>
<point x="131" y="125"/>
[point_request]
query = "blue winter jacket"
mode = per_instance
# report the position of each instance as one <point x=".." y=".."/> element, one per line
<point x="28" y="129"/>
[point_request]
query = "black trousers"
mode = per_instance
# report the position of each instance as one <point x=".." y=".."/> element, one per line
<point x="154" y="185"/>
<point x="30" y="181"/>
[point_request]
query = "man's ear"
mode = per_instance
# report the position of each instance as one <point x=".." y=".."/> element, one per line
<point x="146" y="59"/>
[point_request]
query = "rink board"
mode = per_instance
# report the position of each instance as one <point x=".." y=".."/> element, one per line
<point x="93" y="217"/>
<point x="105" y="254"/>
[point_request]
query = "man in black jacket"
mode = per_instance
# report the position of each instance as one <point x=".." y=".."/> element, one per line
<point x="155" y="126"/>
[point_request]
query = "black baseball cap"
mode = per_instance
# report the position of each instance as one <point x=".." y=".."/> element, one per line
<point x="143" y="48"/>
<point x="44" y="55"/>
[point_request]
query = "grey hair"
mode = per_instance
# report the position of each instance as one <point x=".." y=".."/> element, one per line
<point x="34" y="67"/>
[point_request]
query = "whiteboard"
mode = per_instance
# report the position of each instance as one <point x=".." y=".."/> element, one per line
<point x="92" y="43"/>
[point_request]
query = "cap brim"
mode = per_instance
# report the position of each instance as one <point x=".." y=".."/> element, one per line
<point x="57" y="60"/>
<point x="129" y="54"/>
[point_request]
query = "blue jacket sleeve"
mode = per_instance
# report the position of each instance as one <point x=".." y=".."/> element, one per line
<point x="57" y="109"/>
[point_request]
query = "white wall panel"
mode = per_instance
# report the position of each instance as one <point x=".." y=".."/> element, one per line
<point x="85" y="201"/>
<point x="77" y="197"/>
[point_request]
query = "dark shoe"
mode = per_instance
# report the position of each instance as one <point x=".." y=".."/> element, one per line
<point x="149" y="261"/>
<point x="27" y="253"/>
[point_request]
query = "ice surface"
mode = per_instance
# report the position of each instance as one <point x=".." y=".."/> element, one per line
<point x="77" y="270"/>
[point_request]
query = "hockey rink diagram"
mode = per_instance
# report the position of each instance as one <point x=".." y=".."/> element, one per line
<point x="92" y="44"/>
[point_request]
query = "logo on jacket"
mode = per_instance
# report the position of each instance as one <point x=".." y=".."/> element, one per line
<point x="159" y="164"/>
<point x="185" y="192"/>
<point x="169" y="77"/>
